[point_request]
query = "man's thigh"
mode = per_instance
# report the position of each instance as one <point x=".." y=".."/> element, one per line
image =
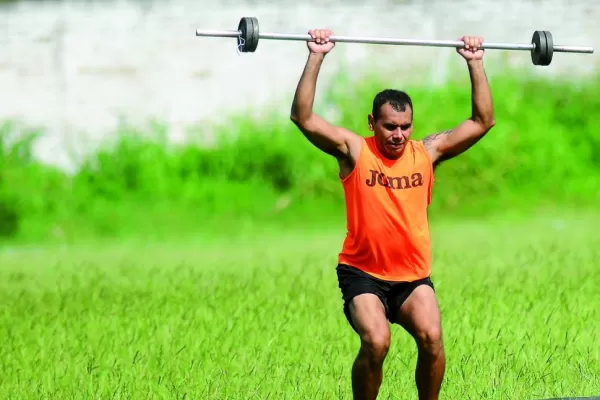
<point x="368" y="318"/>
<point x="365" y="304"/>
<point x="417" y="310"/>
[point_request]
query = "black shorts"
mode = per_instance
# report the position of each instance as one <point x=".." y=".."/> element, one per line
<point x="353" y="282"/>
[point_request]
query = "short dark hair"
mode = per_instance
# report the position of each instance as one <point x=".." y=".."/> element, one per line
<point x="396" y="98"/>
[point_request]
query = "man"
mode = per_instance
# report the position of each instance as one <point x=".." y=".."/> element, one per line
<point x="385" y="264"/>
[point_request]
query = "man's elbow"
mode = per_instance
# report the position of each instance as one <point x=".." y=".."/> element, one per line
<point x="486" y="124"/>
<point x="489" y="124"/>
<point x="303" y="122"/>
<point x="297" y="116"/>
<point x="298" y="120"/>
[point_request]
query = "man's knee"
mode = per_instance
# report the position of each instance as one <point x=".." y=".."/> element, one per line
<point x="368" y="315"/>
<point x="430" y="340"/>
<point x="375" y="343"/>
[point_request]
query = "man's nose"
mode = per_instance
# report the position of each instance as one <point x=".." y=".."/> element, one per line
<point x="399" y="134"/>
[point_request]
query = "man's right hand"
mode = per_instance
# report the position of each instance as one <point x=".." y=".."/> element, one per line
<point x="321" y="43"/>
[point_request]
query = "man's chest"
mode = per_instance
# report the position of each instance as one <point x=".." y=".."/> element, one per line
<point x="407" y="175"/>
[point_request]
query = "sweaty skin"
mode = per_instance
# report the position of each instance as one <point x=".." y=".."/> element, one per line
<point x="398" y="199"/>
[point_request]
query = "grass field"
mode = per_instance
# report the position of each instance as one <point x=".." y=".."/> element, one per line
<point x="261" y="318"/>
<point x="233" y="293"/>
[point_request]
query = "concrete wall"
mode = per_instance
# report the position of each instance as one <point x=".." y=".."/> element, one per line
<point x="76" y="69"/>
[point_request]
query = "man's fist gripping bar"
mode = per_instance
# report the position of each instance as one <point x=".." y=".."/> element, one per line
<point x="542" y="46"/>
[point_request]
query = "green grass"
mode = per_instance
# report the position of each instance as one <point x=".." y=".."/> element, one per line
<point x="260" y="317"/>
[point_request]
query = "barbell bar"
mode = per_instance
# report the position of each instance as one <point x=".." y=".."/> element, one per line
<point x="542" y="45"/>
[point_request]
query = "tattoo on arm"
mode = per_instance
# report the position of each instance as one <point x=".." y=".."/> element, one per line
<point x="429" y="140"/>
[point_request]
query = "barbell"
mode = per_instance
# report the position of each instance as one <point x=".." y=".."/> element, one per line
<point x="542" y="45"/>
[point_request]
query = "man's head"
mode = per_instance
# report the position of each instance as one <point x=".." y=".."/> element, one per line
<point x="391" y="121"/>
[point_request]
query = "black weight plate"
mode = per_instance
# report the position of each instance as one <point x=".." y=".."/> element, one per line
<point x="539" y="53"/>
<point x="549" y="48"/>
<point x="248" y="27"/>
<point x="253" y="36"/>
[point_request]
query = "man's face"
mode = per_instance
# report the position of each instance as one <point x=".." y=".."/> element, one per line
<point x="392" y="130"/>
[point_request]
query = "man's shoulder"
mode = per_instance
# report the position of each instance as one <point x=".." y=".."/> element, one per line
<point x="355" y="145"/>
<point x="419" y="150"/>
<point x="418" y="145"/>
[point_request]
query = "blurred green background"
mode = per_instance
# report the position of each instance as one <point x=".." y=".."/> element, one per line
<point x="163" y="266"/>
<point x="543" y="154"/>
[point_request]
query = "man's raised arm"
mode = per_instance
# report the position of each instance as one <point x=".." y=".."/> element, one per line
<point x="450" y="143"/>
<point x="331" y="139"/>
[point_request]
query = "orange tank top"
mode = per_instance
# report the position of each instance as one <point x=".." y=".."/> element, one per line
<point x="386" y="211"/>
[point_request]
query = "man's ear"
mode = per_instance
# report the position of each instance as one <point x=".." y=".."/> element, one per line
<point x="371" y="121"/>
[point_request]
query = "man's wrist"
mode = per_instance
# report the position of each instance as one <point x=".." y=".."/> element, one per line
<point x="316" y="56"/>
<point x="475" y="63"/>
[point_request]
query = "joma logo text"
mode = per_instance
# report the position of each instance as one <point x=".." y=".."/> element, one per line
<point x="395" y="182"/>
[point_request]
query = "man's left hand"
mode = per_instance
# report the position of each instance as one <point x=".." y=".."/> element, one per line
<point x="472" y="49"/>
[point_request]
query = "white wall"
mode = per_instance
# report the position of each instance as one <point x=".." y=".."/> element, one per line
<point x="76" y="70"/>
